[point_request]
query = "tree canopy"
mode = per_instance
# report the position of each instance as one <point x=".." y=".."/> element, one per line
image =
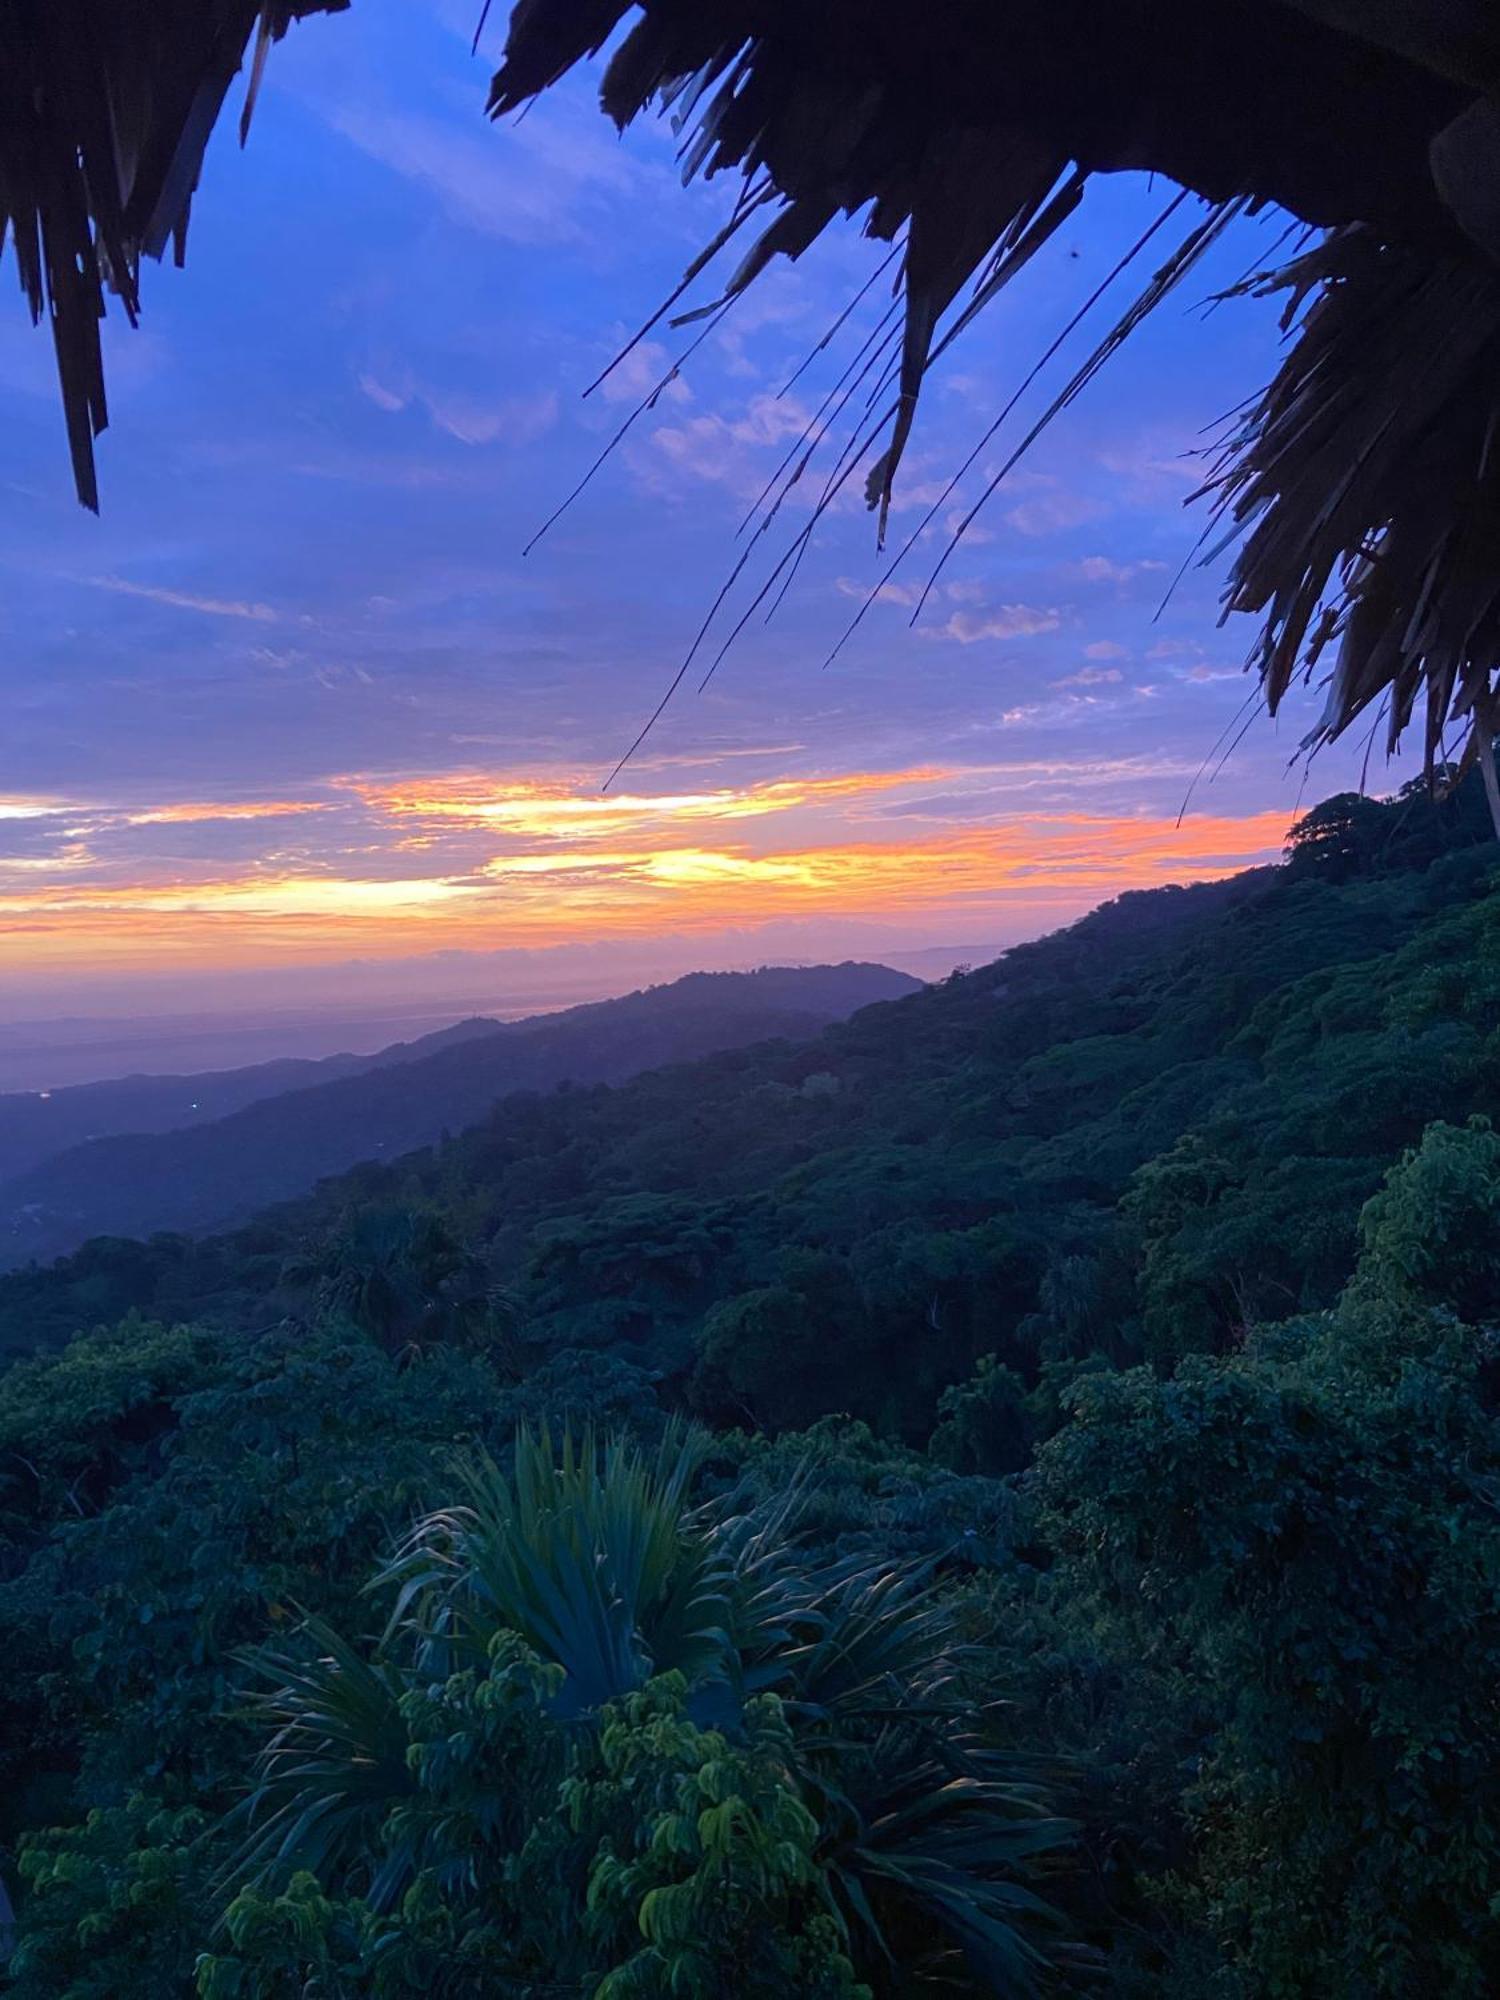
<point x="1016" y="1516"/>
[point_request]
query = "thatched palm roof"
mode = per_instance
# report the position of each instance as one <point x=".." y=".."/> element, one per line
<point x="1367" y="480"/>
<point x="105" y="109"/>
<point x="1365" y="485"/>
<point x="845" y="99"/>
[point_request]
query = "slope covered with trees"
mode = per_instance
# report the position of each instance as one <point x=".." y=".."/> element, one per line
<point x="37" y="1124"/>
<point x="195" y="1172"/>
<point x="1082" y="1574"/>
<point x="1139" y="1135"/>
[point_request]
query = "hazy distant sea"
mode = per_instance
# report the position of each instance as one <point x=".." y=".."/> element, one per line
<point x="47" y="1055"/>
<point x="48" y="1052"/>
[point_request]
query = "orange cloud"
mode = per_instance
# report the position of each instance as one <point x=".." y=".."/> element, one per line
<point x="193" y="813"/>
<point x="1053" y="866"/>
<point x="13" y="806"/>
<point x="551" y="811"/>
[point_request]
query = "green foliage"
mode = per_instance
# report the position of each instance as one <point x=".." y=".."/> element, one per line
<point x="861" y="1494"/>
<point x="72" y="1424"/>
<point x="1340" y="838"/>
<point x="1434" y="1228"/>
<point x="1110" y="1343"/>
<point x="111" y="1905"/>
<point x="1297" y="1552"/>
<point x="643" y="1857"/>
<point x="716" y="1866"/>
<point x="763" y="1358"/>
<point x="400" y="1276"/>
<point x="597" y="1717"/>
<point x="1352" y="835"/>
<point x="984" y="1424"/>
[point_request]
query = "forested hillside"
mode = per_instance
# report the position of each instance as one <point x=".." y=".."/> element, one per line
<point x="37" y="1124"/>
<point x="193" y="1172"/>
<point x="1083" y="1574"/>
<point x="1140" y="1134"/>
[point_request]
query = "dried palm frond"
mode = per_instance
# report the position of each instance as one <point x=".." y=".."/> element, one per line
<point x="1363" y="480"/>
<point x="974" y="130"/>
<point x="105" y="111"/>
<point x="1363" y="483"/>
<point x="1367" y="482"/>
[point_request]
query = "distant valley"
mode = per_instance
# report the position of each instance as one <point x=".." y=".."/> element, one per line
<point x="143" y="1154"/>
<point x="37" y="1124"/>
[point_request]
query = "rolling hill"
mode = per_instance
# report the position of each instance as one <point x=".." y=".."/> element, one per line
<point x="210" y="1175"/>
<point x="36" y="1125"/>
<point x="1127" y="1307"/>
<point x="1160" y="1122"/>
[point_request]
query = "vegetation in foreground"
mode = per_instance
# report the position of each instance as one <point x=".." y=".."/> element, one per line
<point x="1080" y="1570"/>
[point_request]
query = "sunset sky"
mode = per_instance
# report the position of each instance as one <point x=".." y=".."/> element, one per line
<point x="298" y="703"/>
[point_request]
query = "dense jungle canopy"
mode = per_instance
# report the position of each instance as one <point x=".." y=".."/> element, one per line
<point x="1083" y="1578"/>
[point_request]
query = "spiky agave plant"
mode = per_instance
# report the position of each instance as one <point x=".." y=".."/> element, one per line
<point x="589" y="1552"/>
<point x="333" y="1768"/>
<point x="589" y="1568"/>
<point x="929" y="1829"/>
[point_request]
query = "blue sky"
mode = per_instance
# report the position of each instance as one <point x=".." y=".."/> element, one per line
<point x="297" y="702"/>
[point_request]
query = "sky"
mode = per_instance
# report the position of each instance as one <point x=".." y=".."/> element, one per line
<point x="297" y="718"/>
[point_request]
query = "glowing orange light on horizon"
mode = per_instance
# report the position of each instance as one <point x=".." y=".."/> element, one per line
<point x="1053" y="864"/>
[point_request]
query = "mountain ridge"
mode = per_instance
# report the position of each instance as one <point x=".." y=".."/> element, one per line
<point x="216" y="1172"/>
<point x="36" y="1125"/>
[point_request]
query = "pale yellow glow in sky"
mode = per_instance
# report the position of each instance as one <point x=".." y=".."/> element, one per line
<point x="570" y="884"/>
<point x="546" y="812"/>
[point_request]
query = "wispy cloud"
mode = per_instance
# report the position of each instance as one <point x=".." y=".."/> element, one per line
<point x="383" y="398"/>
<point x="1090" y="677"/>
<point x="194" y="813"/>
<point x="641" y="371"/>
<point x="1149" y="467"/>
<point x="14" y="806"/>
<point x="531" y="184"/>
<point x="1051" y="513"/>
<point x="883" y="593"/>
<point x="552" y="812"/>
<point x="964" y="590"/>
<point x="512" y="420"/>
<point x="1105" y="569"/>
<point x="632" y="891"/>
<point x="184" y="600"/>
<point x="736" y="452"/>
<point x="999" y="621"/>
<point x="471" y="419"/>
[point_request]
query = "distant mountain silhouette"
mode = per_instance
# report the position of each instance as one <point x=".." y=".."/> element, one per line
<point x="35" y="1125"/>
<point x="261" y="1147"/>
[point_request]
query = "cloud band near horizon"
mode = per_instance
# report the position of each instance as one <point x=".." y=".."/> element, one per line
<point x="484" y="863"/>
